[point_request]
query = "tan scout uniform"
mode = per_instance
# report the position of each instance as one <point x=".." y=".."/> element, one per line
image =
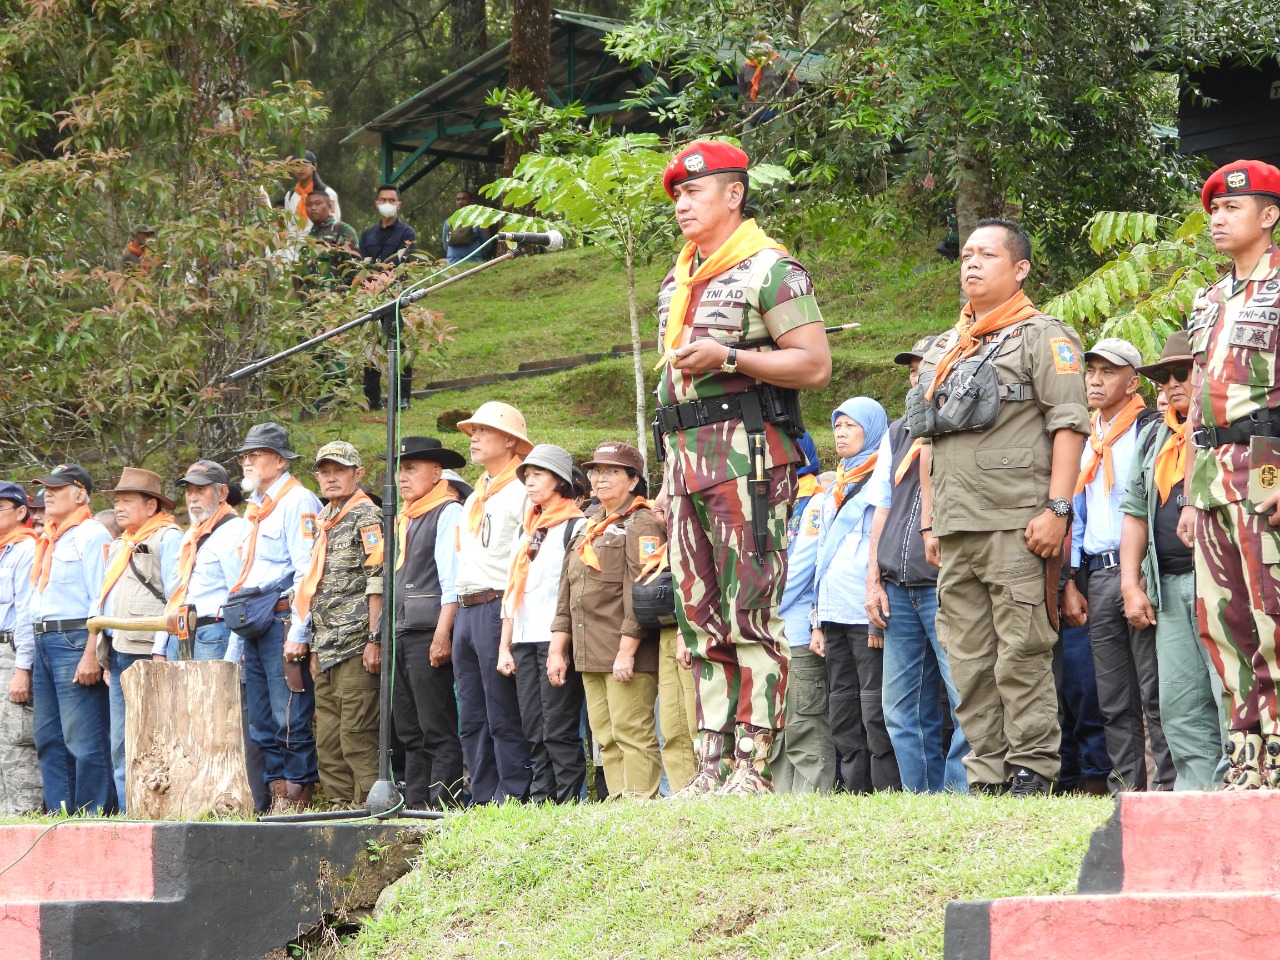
<point x="992" y="620"/>
<point x="594" y="608"/>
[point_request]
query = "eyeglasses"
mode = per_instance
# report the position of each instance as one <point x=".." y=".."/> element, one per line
<point x="1177" y="373"/>
<point x="605" y="473"/>
<point x="255" y="455"/>
<point x="9" y="509"/>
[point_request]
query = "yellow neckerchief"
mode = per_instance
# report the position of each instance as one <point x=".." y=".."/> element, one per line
<point x="1171" y="461"/>
<point x="129" y="542"/>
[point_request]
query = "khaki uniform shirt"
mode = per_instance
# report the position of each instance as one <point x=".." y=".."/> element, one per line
<point x="998" y="479"/>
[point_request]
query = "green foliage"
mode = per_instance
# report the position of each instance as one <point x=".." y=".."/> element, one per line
<point x="1145" y="291"/>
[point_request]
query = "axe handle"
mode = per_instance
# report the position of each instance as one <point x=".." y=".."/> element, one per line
<point x="98" y="624"/>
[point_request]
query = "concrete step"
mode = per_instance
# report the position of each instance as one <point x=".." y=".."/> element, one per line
<point x="1208" y="842"/>
<point x="1168" y="926"/>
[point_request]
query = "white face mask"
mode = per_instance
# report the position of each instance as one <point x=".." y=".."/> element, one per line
<point x="387" y="209"/>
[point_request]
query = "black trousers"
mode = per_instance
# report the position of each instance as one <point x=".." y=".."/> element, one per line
<point x="426" y="720"/>
<point x="1124" y="663"/>
<point x="551" y="719"/>
<point x="855" y="678"/>
<point x="373" y="385"/>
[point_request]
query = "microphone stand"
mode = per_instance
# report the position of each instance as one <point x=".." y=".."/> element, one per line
<point x="384" y="800"/>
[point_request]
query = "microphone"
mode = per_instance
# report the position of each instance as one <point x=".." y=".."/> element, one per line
<point x="552" y="239"/>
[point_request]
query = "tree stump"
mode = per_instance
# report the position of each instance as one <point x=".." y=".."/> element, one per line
<point x="184" y="746"/>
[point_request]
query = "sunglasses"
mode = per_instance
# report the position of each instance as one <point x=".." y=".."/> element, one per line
<point x="1177" y="373"/>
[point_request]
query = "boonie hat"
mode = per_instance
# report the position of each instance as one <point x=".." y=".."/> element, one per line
<point x="67" y="473"/>
<point x="1242" y="178"/>
<point x="146" y="482"/>
<point x="616" y="455"/>
<point x="499" y="416"/>
<point x="13" y="492"/>
<point x="917" y="351"/>
<point x="702" y="158"/>
<point x="145" y="228"/>
<point x="464" y="489"/>
<point x="340" y="452"/>
<point x="268" y="436"/>
<point x="427" y="448"/>
<point x="1176" y="352"/>
<point x="551" y="458"/>
<point x="1115" y="350"/>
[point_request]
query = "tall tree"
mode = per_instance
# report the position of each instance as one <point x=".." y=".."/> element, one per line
<point x="528" y="65"/>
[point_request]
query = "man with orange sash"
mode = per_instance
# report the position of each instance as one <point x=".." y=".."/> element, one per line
<point x="994" y="511"/>
<point x="142" y="570"/>
<point x="72" y="712"/>
<point x="741" y="333"/>
<point x="341" y="594"/>
<point x="19" y="766"/>
<point x="488" y="705"/>
<point x="1124" y="657"/>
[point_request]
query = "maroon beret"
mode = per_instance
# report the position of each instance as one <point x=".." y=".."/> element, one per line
<point x="701" y="159"/>
<point x="1242" y="178"/>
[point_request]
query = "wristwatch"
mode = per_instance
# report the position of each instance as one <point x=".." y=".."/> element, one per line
<point x="1060" y="507"/>
<point x="374" y="638"/>
<point x="730" y="364"/>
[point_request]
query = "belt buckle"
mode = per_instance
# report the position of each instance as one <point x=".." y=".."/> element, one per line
<point x="1199" y="438"/>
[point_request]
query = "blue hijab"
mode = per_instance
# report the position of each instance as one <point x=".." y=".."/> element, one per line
<point x="874" y="422"/>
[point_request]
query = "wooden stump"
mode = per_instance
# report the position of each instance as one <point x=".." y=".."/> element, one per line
<point x="184" y="746"/>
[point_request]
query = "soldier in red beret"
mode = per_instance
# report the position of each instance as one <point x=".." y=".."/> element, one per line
<point x="741" y="335"/>
<point x="1232" y="487"/>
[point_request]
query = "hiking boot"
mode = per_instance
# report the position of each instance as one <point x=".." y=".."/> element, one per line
<point x="988" y="789"/>
<point x="1271" y="762"/>
<point x="279" y="797"/>
<point x="713" y="767"/>
<point x="1028" y="783"/>
<point x="1245" y="751"/>
<point x="751" y="774"/>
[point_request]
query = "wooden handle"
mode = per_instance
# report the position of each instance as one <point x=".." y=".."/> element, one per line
<point x="98" y="624"/>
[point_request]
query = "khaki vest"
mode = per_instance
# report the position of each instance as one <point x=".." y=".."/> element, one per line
<point x="130" y="598"/>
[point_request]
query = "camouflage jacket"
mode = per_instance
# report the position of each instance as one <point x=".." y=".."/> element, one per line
<point x="334" y="258"/>
<point x="1233" y="331"/>
<point x="340" y="609"/>
<point x="767" y="295"/>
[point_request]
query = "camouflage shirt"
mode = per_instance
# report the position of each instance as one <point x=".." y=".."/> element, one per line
<point x="340" y="608"/>
<point x="1232" y="328"/>
<point x="767" y="295"/>
<point x="334" y="258"/>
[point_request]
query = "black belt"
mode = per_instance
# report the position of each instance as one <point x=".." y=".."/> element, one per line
<point x="6" y="636"/>
<point x="59" y="626"/>
<point x="1262" y="423"/>
<point x="205" y="621"/>
<point x="699" y="413"/>
<point x="1104" y="561"/>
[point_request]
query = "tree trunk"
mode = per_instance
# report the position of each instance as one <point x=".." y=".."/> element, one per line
<point x="468" y="30"/>
<point x="528" y="65"/>
<point x="637" y="360"/>
<point x="184" y="744"/>
<point x="975" y="189"/>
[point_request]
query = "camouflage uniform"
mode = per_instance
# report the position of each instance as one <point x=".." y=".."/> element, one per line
<point x="1233" y="335"/>
<point x="346" y="693"/>
<point x="333" y="261"/>
<point x="728" y="616"/>
<point x="20" y="784"/>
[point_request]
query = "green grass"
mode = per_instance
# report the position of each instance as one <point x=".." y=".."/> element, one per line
<point x="742" y="878"/>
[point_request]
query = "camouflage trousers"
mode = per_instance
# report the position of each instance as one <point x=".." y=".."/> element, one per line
<point x="728" y="609"/>
<point x="20" y="786"/>
<point x="1238" y="608"/>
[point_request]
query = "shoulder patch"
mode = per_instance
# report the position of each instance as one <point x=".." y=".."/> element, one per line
<point x="308" y="522"/>
<point x="1064" y="355"/>
<point x="370" y="538"/>
<point x="649" y="546"/>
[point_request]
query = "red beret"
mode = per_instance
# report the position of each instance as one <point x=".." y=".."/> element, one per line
<point x="1242" y="178"/>
<point x="700" y="159"/>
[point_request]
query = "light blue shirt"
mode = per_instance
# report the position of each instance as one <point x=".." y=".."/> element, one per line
<point x="75" y="574"/>
<point x="879" y="487"/>
<point x="1096" y="527"/>
<point x="842" y="587"/>
<point x="15" y="597"/>
<point x="447" y="552"/>
<point x="216" y="568"/>
<point x="800" y="591"/>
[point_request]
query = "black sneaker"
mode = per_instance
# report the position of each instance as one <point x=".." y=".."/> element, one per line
<point x="1027" y="783"/>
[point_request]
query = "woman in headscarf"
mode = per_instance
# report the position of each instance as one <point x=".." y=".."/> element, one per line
<point x="855" y="659"/>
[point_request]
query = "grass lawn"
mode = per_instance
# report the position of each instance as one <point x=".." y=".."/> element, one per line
<point x="754" y="877"/>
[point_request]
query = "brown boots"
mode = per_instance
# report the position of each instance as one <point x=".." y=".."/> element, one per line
<point x="287" y="797"/>
<point x="751" y="774"/>
<point x="714" y="766"/>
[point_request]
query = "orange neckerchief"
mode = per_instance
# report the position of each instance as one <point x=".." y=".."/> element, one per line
<point x="44" y="546"/>
<point x="970" y="333"/>
<point x="746" y="241"/>
<point x="1171" y="461"/>
<point x="320" y="550"/>
<point x="1101" y="446"/>
<point x="136" y="250"/>
<point x="255" y="514"/>
<point x="807" y="486"/>
<point x="913" y="454"/>
<point x="16" y="535"/>
<point x="599" y="525"/>
<point x="129" y="542"/>
<point x="759" y="63"/>
<point x="844" y="477"/>
<point x="485" y="489"/>
<point x="535" y="518"/>
<point x="301" y="207"/>
<point x="187" y="556"/>
<point x="442" y="492"/>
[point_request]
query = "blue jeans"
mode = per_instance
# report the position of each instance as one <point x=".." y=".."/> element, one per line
<point x="914" y="666"/>
<point x="210" y="643"/>
<point x="120" y="662"/>
<point x="279" y="719"/>
<point x="72" y="725"/>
